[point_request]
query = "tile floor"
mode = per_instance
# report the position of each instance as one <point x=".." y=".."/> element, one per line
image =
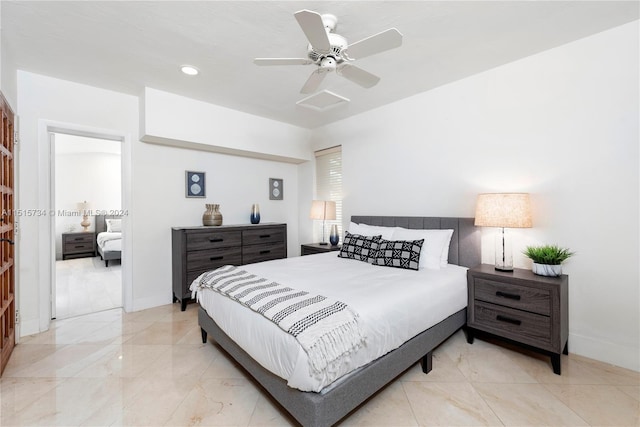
<point x="85" y="285"/>
<point x="150" y="368"/>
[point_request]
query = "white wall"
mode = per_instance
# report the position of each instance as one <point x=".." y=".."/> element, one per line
<point x="156" y="186"/>
<point x="45" y="100"/>
<point x="175" y="120"/>
<point x="561" y="125"/>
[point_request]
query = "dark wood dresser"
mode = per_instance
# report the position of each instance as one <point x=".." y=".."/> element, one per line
<point x="521" y="307"/>
<point x="78" y="245"/>
<point x="199" y="249"/>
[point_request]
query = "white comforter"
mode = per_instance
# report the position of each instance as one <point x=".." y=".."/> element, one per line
<point x="110" y="241"/>
<point x="394" y="305"/>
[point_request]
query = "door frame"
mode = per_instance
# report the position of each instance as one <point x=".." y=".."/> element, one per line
<point x="47" y="198"/>
<point x="53" y="140"/>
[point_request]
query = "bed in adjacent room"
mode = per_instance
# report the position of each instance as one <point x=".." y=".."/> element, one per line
<point x="109" y="237"/>
<point x="391" y="316"/>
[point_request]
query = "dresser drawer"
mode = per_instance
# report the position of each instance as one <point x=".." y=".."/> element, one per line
<point x="213" y="258"/>
<point x="213" y="239"/>
<point x="515" y="296"/>
<point x="521" y="325"/>
<point x="264" y="252"/>
<point x="263" y="235"/>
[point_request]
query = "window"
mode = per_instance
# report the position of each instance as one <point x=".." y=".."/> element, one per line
<point x="329" y="187"/>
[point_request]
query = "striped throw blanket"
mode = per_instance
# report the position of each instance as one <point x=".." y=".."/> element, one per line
<point x="326" y="329"/>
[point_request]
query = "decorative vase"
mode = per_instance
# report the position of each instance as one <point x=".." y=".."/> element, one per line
<point x="334" y="237"/>
<point x="255" y="213"/>
<point x="212" y="215"/>
<point x="547" y="269"/>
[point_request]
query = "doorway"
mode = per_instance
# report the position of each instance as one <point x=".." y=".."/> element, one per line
<point x="87" y="184"/>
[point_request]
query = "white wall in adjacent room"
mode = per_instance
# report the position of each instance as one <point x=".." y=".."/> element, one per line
<point x="561" y="125"/>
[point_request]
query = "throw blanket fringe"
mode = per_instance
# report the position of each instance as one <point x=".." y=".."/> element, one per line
<point x="326" y="329"/>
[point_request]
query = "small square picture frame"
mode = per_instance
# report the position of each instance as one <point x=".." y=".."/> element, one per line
<point x="195" y="184"/>
<point x="276" y="189"/>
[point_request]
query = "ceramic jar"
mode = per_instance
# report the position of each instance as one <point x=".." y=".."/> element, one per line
<point x="212" y="215"/>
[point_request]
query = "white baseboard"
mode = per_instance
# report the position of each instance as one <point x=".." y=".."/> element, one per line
<point x="29" y="327"/>
<point x="144" y="303"/>
<point x="625" y="356"/>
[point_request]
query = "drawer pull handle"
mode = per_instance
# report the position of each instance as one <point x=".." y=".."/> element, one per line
<point x="79" y="246"/>
<point x="265" y="236"/>
<point x="506" y="295"/>
<point x="216" y="240"/>
<point x="264" y="252"/>
<point x="216" y="258"/>
<point x="508" y="320"/>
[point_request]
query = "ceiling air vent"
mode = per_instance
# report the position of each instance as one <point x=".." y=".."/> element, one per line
<point x="322" y="101"/>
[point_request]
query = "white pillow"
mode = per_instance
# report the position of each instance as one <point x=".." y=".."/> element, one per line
<point x="372" y="230"/>
<point x="114" y="225"/>
<point x="435" y="250"/>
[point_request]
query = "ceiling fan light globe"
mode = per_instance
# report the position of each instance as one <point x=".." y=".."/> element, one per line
<point x="328" y="63"/>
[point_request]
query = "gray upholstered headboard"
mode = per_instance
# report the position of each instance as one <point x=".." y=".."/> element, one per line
<point x="101" y="225"/>
<point x="464" y="249"/>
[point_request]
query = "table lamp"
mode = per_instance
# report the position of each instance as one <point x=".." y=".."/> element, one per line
<point x="503" y="210"/>
<point x="324" y="210"/>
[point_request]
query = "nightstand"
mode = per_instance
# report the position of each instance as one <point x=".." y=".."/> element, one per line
<point x="317" y="248"/>
<point x="521" y="307"/>
<point x="78" y="245"/>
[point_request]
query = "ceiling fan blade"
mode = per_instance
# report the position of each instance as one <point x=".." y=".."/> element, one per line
<point x="313" y="81"/>
<point x="358" y="75"/>
<point x="313" y="27"/>
<point x="282" y="61"/>
<point x="376" y="43"/>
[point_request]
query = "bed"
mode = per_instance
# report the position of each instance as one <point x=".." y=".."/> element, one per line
<point x="333" y="399"/>
<point x="109" y="237"/>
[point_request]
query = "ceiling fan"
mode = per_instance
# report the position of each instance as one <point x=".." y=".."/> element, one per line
<point x="330" y="51"/>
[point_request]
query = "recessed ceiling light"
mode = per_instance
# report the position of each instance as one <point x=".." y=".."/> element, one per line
<point x="189" y="70"/>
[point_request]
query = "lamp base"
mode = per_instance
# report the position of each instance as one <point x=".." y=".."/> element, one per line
<point x="323" y="243"/>
<point x="504" y="268"/>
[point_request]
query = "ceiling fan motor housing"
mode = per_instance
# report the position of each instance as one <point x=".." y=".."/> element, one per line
<point x="337" y="44"/>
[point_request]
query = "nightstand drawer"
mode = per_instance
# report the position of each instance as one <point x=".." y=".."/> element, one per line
<point x="521" y="325"/>
<point x="79" y="238"/>
<point x="73" y="247"/>
<point x="213" y="239"/>
<point x="514" y="296"/>
<point x="213" y="258"/>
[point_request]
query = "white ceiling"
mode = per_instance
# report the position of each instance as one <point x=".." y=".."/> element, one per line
<point x="125" y="45"/>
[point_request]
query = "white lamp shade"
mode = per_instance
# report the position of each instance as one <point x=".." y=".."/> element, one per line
<point x="323" y="209"/>
<point x="84" y="206"/>
<point x="510" y="210"/>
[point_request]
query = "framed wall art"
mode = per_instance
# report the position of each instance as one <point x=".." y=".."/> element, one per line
<point x="276" y="189"/>
<point x="195" y="184"/>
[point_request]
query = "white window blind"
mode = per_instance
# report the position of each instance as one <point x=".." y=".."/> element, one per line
<point x="329" y="187"/>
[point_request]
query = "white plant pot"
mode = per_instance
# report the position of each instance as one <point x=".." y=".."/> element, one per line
<point x="547" y="269"/>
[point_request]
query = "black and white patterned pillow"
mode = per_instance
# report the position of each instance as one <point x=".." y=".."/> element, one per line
<point x="399" y="253"/>
<point x="356" y="246"/>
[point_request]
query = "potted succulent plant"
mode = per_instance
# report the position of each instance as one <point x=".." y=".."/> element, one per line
<point x="547" y="259"/>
